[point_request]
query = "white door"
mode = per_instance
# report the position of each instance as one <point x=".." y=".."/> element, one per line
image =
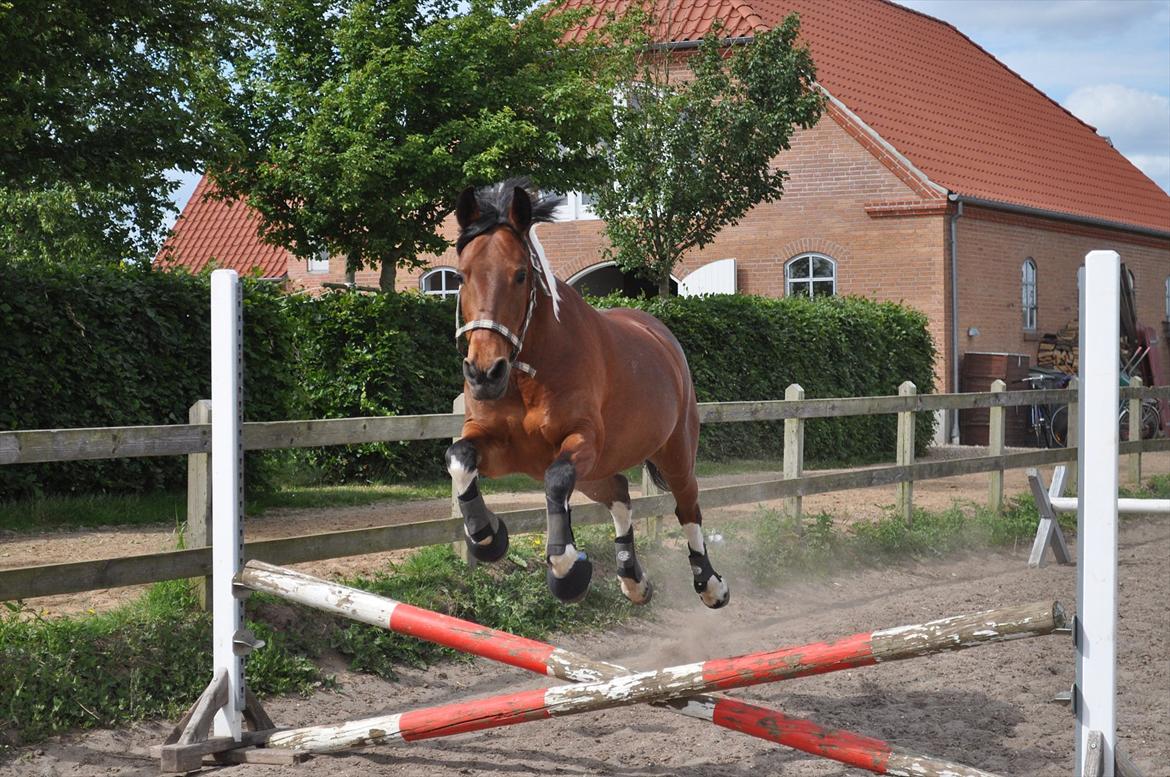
<point x="714" y="278"/>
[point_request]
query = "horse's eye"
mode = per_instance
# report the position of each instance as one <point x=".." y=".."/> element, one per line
<point x="521" y="275"/>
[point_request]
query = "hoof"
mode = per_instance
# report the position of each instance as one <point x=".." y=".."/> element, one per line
<point x="572" y="587"/>
<point x="716" y="593"/>
<point x="492" y="551"/>
<point x="638" y="593"/>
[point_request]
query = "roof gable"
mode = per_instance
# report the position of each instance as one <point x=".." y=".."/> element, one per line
<point x="227" y="232"/>
<point x="955" y="112"/>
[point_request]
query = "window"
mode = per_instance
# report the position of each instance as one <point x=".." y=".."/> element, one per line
<point x="1168" y="297"/>
<point x="810" y="275"/>
<point x="441" y="282"/>
<point x="1028" y="293"/>
<point x="577" y="206"/>
<point x="320" y="262"/>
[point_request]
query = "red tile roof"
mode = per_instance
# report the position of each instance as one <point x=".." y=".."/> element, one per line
<point x="210" y="229"/>
<point x="960" y="116"/>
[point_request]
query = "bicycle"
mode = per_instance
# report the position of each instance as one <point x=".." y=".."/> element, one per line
<point x="1048" y="422"/>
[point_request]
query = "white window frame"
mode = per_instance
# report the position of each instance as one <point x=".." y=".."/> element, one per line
<point x="1168" y="297"/>
<point x="791" y="282"/>
<point x="319" y="264"/>
<point x="578" y="206"/>
<point x="1029" y="306"/>
<point x="447" y="273"/>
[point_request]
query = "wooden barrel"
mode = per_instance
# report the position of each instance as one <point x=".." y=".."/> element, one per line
<point x="979" y="371"/>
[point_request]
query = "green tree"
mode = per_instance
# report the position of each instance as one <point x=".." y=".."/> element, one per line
<point x="98" y="100"/>
<point x="693" y="152"/>
<point x="356" y="122"/>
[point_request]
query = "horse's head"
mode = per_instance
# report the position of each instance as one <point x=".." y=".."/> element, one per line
<point x="498" y="295"/>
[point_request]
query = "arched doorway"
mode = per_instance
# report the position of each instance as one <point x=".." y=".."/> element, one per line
<point x="606" y="278"/>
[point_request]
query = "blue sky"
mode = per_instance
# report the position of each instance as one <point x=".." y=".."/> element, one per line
<point x="1106" y="61"/>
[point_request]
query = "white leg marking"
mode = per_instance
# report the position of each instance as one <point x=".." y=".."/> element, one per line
<point x="694" y="533"/>
<point x="564" y="562"/>
<point x="462" y="478"/>
<point x="622" y="518"/>
<point x="716" y="592"/>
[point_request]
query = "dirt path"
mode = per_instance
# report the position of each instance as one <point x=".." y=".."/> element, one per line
<point x="988" y="707"/>
<point x="64" y="546"/>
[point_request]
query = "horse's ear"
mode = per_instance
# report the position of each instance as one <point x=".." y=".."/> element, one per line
<point x="520" y="213"/>
<point x="467" y="208"/>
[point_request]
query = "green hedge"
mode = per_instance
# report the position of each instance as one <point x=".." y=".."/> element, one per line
<point x="94" y="347"/>
<point x="123" y="347"/>
<point x="371" y="355"/>
<point x="751" y="348"/>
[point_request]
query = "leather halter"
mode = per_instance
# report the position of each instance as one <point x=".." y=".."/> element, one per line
<point x="517" y="341"/>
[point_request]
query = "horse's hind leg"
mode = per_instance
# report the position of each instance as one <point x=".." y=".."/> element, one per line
<point x="614" y="493"/>
<point x="676" y="469"/>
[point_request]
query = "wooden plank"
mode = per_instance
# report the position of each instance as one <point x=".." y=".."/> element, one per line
<point x="995" y="436"/>
<point x="112" y="442"/>
<point x="44" y="445"/>
<point x="1049" y="531"/>
<point x="905" y="454"/>
<point x="47" y="580"/>
<point x="780" y="409"/>
<point x="794" y="453"/>
<point x="272" y="435"/>
<point x="199" y="500"/>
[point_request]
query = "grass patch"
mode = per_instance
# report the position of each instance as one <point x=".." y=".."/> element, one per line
<point x="779" y="550"/>
<point x="72" y="512"/>
<point x="152" y="658"/>
<point x="143" y="660"/>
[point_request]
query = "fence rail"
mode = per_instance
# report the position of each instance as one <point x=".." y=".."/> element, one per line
<point x="194" y="440"/>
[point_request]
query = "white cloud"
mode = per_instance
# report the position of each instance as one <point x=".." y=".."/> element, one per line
<point x="1046" y="19"/>
<point x="1130" y="117"/>
<point x="1155" y="166"/>
<point x="1137" y="122"/>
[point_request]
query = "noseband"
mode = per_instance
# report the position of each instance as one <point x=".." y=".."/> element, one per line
<point x="517" y="341"/>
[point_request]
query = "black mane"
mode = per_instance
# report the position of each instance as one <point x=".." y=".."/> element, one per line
<point x="495" y="201"/>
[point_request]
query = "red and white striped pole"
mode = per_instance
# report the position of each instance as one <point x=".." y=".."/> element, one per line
<point x="622" y="688"/>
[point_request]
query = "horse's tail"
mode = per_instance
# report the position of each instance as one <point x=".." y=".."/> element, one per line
<point x="656" y="476"/>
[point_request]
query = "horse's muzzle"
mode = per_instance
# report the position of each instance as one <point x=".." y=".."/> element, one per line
<point x="487" y="384"/>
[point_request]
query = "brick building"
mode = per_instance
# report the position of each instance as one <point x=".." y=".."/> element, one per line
<point x="937" y="177"/>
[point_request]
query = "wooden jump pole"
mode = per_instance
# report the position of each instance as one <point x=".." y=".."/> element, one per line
<point x="656" y="686"/>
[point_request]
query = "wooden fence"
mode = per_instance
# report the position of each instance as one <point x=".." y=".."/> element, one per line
<point x="194" y="440"/>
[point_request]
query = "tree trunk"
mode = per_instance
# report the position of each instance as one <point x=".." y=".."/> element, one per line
<point x="351" y="265"/>
<point x="664" y="286"/>
<point x="386" y="276"/>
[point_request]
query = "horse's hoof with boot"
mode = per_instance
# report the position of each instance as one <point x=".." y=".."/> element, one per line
<point x="715" y="593"/>
<point x="710" y="587"/>
<point x="490" y="552"/>
<point x="573" y="587"/>
<point x="639" y="593"/>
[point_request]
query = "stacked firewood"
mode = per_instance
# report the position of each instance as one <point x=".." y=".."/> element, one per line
<point x="1059" y="351"/>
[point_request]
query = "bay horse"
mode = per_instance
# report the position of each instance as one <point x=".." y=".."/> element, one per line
<point x="566" y="394"/>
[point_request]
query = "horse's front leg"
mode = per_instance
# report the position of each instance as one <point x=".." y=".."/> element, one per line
<point x="486" y="535"/>
<point x="569" y="572"/>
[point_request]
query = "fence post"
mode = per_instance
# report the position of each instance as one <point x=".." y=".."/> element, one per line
<point x="199" y="500"/>
<point x="1072" y="436"/>
<point x="652" y="526"/>
<point x="906" y="453"/>
<point x="459" y="407"/>
<point x="794" y="455"/>
<point x="1135" y="433"/>
<point x="995" y="441"/>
